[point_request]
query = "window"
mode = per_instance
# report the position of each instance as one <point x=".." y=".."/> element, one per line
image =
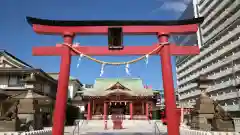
<point x="13" y="81"/>
<point x="89" y="86"/>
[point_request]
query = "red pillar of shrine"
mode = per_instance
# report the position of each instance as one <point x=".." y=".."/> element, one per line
<point x="147" y="113"/>
<point x="89" y="111"/>
<point x="143" y="108"/>
<point x="105" y="111"/>
<point x="131" y="110"/>
<point x="62" y="89"/>
<point x="169" y="95"/>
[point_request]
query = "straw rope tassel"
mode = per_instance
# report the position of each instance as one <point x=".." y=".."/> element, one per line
<point x="127" y="69"/>
<point x="116" y="63"/>
<point x="79" y="59"/>
<point x="102" y="70"/>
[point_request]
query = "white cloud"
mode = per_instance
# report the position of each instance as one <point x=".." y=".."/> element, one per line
<point x="187" y="1"/>
<point x="176" y="6"/>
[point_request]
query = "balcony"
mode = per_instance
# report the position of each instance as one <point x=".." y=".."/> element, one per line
<point x="220" y="86"/>
<point x="223" y="25"/>
<point x="213" y="14"/>
<point x="220" y="20"/>
<point x="189" y="79"/>
<point x="200" y="2"/>
<point x="204" y="5"/>
<point x="191" y="94"/>
<point x="212" y="8"/>
<point x="190" y="86"/>
<point x="226" y="72"/>
<point x="228" y="48"/>
<point x="231" y="107"/>
<point x="223" y="40"/>
<point x="226" y="96"/>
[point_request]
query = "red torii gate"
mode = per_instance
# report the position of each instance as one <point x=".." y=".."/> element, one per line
<point x="68" y="29"/>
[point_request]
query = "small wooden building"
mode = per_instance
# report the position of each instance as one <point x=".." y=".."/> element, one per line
<point x="27" y="95"/>
<point x="125" y="96"/>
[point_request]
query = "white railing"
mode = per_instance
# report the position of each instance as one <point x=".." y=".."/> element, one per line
<point x="237" y="124"/>
<point x="225" y="96"/>
<point x="191" y="94"/>
<point x="78" y="125"/>
<point x="204" y="5"/>
<point x="216" y="55"/>
<point x="36" y="132"/>
<point x="188" y="87"/>
<point x="223" y="25"/>
<point x="186" y="131"/>
<point x="160" y="129"/>
<point x="223" y="40"/>
<point x="212" y="14"/>
<point x="210" y="9"/>
<point x="217" y="21"/>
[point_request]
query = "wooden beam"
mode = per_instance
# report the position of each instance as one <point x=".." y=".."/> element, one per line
<point x="99" y="30"/>
<point x="103" y="50"/>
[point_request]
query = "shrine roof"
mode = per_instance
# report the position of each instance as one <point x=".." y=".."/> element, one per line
<point x="132" y="86"/>
<point x="32" y="20"/>
<point x="14" y="59"/>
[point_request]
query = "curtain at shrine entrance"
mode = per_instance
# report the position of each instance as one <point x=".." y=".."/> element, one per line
<point x="118" y="108"/>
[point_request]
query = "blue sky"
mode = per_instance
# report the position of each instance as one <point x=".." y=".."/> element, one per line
<point x="17" y="37"/>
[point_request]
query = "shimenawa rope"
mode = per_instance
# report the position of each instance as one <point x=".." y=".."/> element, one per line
<point x="116" y="63"/>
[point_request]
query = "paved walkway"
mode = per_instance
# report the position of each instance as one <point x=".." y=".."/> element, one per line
<point x="131" y="127"/>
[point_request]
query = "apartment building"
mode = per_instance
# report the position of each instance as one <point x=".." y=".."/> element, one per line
<point x="219" y="60"/>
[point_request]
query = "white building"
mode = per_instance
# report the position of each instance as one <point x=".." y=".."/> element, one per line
<point x="219" y="39"/>
<point x="73" y="87"/>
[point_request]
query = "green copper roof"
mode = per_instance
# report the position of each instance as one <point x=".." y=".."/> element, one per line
<point x="156" y="91"/>
<point x="130" y="83"/>
<point x="135" y="85"/>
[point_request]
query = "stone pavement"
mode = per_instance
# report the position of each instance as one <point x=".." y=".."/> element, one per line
<point x="131" y="127"/>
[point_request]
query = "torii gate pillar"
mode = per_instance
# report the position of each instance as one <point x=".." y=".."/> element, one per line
<point x="168" y="86"/>
<point x="62" y="88"/>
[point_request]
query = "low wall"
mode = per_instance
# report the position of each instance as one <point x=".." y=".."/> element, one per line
<point x="237" y="124"/>
<point x="185" y="131"/>
<point x="36" y="132"/>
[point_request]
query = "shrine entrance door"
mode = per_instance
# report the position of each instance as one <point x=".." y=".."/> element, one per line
<point x="119" y="108"/>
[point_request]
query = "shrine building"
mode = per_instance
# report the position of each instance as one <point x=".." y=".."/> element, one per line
<point x="121" y="96"/>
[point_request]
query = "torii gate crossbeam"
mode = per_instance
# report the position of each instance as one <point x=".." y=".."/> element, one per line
<point x="103" y="50"/>
<point x="68" y="29"/>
